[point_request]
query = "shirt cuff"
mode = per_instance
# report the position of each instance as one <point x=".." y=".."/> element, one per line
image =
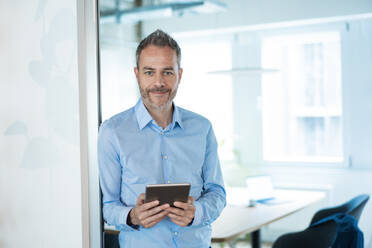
<point x="198" y="216"/>
<point x="128" y="226"/>
<point x="129" y="221"/>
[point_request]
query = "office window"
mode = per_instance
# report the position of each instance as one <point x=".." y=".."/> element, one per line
<point x="208" y="94"/>
<point x="301" y="103"/>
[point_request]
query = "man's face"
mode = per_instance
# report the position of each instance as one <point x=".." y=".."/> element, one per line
<point x="158" y="76"/>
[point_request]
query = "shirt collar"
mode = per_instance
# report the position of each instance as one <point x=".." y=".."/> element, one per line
<point x="177" y="118"/>
<point x="144" y="117"/>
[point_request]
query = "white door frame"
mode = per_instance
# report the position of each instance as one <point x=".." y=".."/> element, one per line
<point x="89" y="113"/>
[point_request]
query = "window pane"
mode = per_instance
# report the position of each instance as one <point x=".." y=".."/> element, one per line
<point x="302" y="110"/>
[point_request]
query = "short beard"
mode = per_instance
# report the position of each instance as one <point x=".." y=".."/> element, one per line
<point x="147" y="99"/>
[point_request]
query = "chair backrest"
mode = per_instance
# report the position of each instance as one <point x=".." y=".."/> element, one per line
<point x="320" y="237"/>
<point x="354" y="207"/>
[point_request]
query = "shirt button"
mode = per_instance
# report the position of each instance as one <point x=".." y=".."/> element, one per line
<point x="175" y="233"/>
<point x="162" y="132"/>
<point x="165" y="157"/>
<point x="168" y="181"/>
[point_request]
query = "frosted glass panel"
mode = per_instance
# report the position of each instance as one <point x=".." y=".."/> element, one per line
<point x="40" y="184"/>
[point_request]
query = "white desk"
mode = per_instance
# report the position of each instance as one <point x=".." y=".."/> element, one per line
<point x="237" y="220"/>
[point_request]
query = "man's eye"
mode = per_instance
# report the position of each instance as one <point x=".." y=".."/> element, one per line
<point x="149" y="73"/>
<point x="168" y="73"/>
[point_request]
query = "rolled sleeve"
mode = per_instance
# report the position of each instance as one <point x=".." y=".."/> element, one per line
<point x="198" y="215"/>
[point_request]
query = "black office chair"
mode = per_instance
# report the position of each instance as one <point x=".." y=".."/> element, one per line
<point x="324" y="234"/>
<point x="354" y="207"/>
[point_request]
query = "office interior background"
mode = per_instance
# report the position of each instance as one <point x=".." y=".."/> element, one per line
<point x="286" y="84"/>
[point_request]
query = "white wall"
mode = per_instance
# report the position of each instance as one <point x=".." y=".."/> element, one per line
<point x="40" y="180"/>
<point x="246" y="91"/>
<point x="356" y="51"/>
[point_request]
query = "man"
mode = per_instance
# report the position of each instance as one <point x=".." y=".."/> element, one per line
<point x="158" y="142"/>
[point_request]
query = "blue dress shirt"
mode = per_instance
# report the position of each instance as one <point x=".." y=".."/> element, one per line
<point x="133" y="151"/>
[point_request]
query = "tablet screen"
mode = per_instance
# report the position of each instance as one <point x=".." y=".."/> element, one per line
<point x="167" y="193"/>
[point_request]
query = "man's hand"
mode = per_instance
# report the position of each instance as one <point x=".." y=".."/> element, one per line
<point x="147" y="214"/>
<point x="184" y="214"/>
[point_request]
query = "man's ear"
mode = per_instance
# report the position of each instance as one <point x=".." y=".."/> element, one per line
<point x="180" y="71"/>
<point x="135" y="69"/>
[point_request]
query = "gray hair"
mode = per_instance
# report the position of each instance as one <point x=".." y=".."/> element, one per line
<point x="161" y="39"/>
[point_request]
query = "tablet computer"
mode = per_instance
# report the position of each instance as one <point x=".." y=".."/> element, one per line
<point x="167" y="193"/>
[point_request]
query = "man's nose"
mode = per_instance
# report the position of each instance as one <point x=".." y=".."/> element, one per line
<point x="159" y="80"/>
